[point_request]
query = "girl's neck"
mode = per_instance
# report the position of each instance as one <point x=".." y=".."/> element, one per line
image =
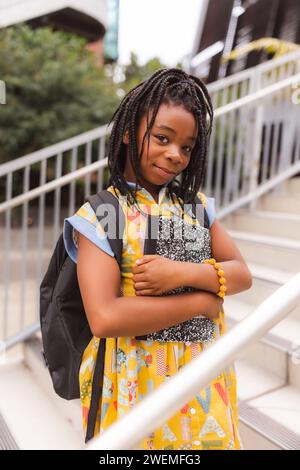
<point x="151" y="188"/>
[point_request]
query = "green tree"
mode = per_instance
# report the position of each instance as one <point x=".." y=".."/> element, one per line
<point x="134" y="72"/>
<point x="55" y="89"/>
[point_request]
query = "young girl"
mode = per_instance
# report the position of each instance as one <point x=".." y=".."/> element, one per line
<point x="172" y="298"/>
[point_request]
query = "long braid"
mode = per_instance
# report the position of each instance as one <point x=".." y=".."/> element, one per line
<point x="165" y="86"/>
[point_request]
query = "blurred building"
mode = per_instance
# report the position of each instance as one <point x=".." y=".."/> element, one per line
<point x="227" y="24"/>
<point x="111" y="38"/>
<point x="86" y="18"/>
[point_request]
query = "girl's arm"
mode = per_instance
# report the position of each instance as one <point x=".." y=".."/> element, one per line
<point x="224" y="250"/>
<point x="110" y="315"/>
<point x="155" y="274"/>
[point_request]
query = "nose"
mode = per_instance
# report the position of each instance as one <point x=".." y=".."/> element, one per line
<point x="174" y="155"/>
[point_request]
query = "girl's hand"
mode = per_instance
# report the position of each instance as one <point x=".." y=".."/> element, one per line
<point x="213" y="301"/>
<point x="155" y="275"/>
<point x="216" y="306"/>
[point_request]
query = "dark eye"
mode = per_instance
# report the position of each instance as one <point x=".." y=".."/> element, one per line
<point x="190" y="148"/>
<point x="160" y="137"/>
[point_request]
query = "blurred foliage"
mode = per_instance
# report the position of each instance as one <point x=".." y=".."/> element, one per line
<point x="134" y="73"/>
<point x="54" y="89"/>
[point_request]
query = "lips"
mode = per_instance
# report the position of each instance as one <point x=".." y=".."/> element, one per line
<point x="169" y="172"/>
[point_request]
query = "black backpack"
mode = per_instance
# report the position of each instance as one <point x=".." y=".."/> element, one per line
<point x="64" y="326"/>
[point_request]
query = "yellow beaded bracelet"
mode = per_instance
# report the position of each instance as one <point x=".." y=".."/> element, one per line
<point x="221" y="275"/>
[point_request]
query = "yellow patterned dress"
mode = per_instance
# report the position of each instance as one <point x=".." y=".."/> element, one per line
<point x="133" y="367"/>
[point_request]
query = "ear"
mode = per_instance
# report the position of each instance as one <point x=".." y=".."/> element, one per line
<point x="126" y="137"/>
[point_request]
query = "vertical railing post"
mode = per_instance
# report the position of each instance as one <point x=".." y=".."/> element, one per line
<point x="57" y="197"/>
<point x="24" y="248"/>
<point x="7" y="251"/>
<point x="72" y="193"/>
<point x="254" y="147"/>
<point x="88" y="161"/>
<point x="101" y="155"/>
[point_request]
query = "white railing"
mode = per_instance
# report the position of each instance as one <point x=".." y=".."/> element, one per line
<point x="245" y="134"/>
<point x="67" y="172"/>
<point x="253" y="148"/>
<point x="248" y="81"/>
<point x="159" y="406"/>
<point x="255" y="145"/>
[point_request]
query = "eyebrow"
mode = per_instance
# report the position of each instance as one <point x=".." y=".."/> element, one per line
<point x="167" y="128"/>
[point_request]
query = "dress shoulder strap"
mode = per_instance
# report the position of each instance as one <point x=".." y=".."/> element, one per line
<point x="202" y="197"/>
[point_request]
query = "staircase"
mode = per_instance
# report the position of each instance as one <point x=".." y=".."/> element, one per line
<point x="269" y="372"/>
<point x="254" y="154"/>
<point x="32" y="416"/>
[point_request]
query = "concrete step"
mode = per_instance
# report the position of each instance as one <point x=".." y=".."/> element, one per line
<point x="260" y="290"/>
<point x="279" y="224"/>
<point x="279" y="253"/>
<point x="260" y="427"/>
<point x="33" y="359"/>
<point x="291" y="186"/>
<point x="269" y="409"/>
<point x="21" y="311"/>
<point x="265" y="282"/>
<point x="7" y="441"/>
<point x="279" y="203"/>
<point x="30" y="408"/>
<point x="278" y="352"/>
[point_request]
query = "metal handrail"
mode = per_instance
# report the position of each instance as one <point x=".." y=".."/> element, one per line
<point x="247" y="73"/>
<point x="52" y="185"/>
<point x="100" y="131"/>
<point x="159" y="406"/>
<point x="54" y="149"/>
<point x="61" y="181"/>
<point x="257" y="95"/>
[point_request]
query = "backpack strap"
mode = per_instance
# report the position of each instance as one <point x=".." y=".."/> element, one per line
<point x="97" y="387"/>
<point x="203" y="203"/>
<point x="116" y="243"/>
<point x="106" y="197"/>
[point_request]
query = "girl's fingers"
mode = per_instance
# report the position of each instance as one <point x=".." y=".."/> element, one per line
<point x="146" y="259"/>
<point x="138" y="278"/>
<point x="144" y="292"/>
<point x="141" y="285"/>
<point x="138" y="269"/>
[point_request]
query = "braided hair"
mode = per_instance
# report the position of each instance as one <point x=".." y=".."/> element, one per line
<point x="166" y="86"/>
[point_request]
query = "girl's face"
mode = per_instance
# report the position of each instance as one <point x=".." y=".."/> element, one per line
<point x="172" y="139"/>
